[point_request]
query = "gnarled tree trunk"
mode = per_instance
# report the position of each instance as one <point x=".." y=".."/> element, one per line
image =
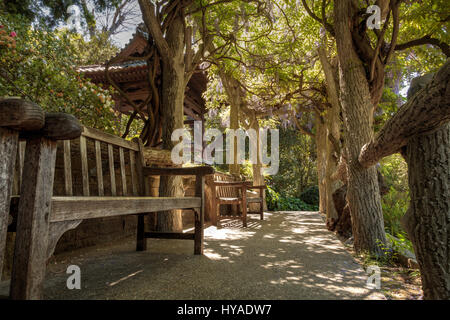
<point x="362" y="189"/>
<point x="421" y="130"/>
<point x="321" y="145"/>
<point x="173" y="88"/>
<point x="428" y="217"/>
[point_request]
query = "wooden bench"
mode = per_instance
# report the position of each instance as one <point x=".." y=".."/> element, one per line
<point x="236" y="193"/>
<point x="42" y="218"/>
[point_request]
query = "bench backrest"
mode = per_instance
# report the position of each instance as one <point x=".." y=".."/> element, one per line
<point x="225" y="192"/>
<point x="96" y="164"/>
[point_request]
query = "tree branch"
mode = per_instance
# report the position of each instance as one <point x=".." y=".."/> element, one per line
<point x="149" y="17"/>
<point x="425" y="40"/>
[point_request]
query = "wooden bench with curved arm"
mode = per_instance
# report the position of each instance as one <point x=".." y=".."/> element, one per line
<point x="235" y="193"/>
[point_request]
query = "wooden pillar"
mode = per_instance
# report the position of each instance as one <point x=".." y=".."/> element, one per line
<point x="31" y="248"/>
<point x="30" y="254"/>
<point x="15" y="115"/>
<point x="9" y="141"/>
<point x="141" y="242"/>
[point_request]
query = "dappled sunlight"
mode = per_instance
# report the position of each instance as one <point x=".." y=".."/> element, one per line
<point x="277" y="258"/>
<point x="213" y="233"/>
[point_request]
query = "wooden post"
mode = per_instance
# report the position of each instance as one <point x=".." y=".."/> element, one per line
<point x="199" y="214"/>
<point x="141" y="242"/>
<point x="210" y="212"/>
<point x="31" y="247"/>
<point x="30" y="254"/>
<point x="15" y="115"/>
<point x="9" y="140"/>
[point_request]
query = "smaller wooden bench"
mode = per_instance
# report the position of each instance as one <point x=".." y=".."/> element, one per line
<point x="236" y="193"/>
<point x="40" y="217"/>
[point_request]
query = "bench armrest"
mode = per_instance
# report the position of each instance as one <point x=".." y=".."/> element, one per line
<point x="257" y="187"/>
<point x="229" y="183"/>
<point x="193" y="171"/>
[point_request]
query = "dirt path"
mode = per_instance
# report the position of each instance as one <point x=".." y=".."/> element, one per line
<point x="290" y="255"/>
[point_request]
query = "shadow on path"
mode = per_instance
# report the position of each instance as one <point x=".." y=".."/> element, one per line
<point x="289" y="255"/>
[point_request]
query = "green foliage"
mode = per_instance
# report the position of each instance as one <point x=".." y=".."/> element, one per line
<point x="40" y="65"/>
<point x="297" y="170"/>
<point x="311" y="195"/>
<point x="278" y="202"/>
<point x="396" y="201"/>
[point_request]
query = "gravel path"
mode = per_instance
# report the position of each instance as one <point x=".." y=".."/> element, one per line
<point x="289" y="255"/>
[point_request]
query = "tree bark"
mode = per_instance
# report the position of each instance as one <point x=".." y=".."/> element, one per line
<point x="321" y="142"/>
<point x="234" y="93"/>
<point x="428" y="219"/>
<point x="362" y="189"/>
<point x="173" y="88"/>
<point x="425" y="111"/>
<point x="332" y="123"/>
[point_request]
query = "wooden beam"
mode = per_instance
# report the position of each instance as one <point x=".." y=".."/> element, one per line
<point x="109" y="138"/>
<point x="75" y="208"/>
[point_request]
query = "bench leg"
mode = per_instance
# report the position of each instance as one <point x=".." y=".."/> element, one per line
<point x="244" y="214"/>
<point x="261" y="212"/>
<point x="30" y="254"/>
<point x="217" y="213"/>
<point x="141" y="241"/>
<point x="199" y="232"/>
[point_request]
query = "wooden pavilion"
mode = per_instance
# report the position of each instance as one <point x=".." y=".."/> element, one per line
<point x="129" y="71"/>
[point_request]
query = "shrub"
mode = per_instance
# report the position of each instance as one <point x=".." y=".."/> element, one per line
<point x="40" y="65"/>
<point x="311" y="196"/>
<point x="277" y="202"/>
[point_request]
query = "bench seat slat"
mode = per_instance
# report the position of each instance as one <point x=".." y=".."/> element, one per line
<point x="74" y="208"/>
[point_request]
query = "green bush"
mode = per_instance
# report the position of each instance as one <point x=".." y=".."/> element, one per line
<point x="277" y="202"/>
<point x="311" y="196"/>
<point x="396" y="201"/>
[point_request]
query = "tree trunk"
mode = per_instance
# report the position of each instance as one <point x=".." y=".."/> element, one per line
<point x="428" y="218"/>
<point x="332" y="123"/>
<point x="321" y="137"/>
<point x="258" y="178"/>
<point x="173" y="88"/>
<point x="362" y="190"/>
<point x="234" y="93"/>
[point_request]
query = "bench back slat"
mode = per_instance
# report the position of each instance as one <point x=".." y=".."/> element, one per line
<point x="84" y="166"/>
<point x="122" y="172"/>
<point x="83" y="163"/>
<point x="67" y="168"/>
<point x="134" y="182"/>
<point x="98" y="161"/>
<point x="112" y="172"/>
